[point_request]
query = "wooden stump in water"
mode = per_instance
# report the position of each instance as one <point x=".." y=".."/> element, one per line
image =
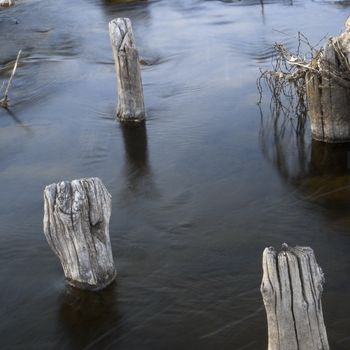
<point x="292" y="286"/>
<point x="130" y="91"/>
<point x="328" y="91"/>
<point x="7" y="3"/>
<point x="76" y="226"/>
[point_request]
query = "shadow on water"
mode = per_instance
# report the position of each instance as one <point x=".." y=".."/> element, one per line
<point x="86" y="317"/>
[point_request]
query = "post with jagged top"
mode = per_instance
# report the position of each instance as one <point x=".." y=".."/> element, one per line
<point x="131" y="108"/>
<point x="328" y="90"/>
<point x="76" y="226"/>
<point x="292" y="287"/>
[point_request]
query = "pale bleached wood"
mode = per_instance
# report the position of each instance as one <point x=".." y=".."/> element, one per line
<point x="328" y="96"/>
<point x="292" y="287"/>
<point x="4" y="102"/>
<point x="76" y="226"/>
<point x="127" y="63"/>
<point x="7" y="3"/>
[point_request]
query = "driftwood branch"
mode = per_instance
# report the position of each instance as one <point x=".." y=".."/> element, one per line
<point x="4" y="102"/>
<point x="292" y="287"/>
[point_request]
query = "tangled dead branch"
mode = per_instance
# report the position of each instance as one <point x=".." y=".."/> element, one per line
<point x="315" y="82"/>
<point x="286" y="81"/>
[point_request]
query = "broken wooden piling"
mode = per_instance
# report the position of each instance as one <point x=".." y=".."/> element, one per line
<point x="130" y="91"/>
<point x="292" y="287"/>
<point x="76" y="226"/>
<point x="7" y="3"/>
<point x="328" y="90"/>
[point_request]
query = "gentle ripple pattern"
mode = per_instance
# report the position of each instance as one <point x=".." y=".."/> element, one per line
<point x="198" y="192"/>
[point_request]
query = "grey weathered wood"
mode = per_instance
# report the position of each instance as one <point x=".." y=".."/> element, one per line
<point x="292" y="287"/>
<point x="76" y="226"/>
<point x="328" y="96"/>
<point x="130" y="91"/>
<point x="7" y="3"/>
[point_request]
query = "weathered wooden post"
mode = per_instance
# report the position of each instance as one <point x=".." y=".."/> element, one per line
<point x="292" y="286"/>
<point x="7" y="3"/>
<point x="76" y="226"/>
<point x="328" y="90"/>
<point x="130" y="91"/>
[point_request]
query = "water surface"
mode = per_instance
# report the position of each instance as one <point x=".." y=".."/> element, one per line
<point x="198" y="192"/>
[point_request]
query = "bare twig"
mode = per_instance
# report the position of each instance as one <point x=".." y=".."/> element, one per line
<point x="4" y="102"/>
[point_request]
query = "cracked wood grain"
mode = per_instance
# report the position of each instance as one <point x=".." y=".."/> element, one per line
<point x="292" y="287"/>
<point x="76" y="226"/>
<point x="7" y="3"/>
<point x="329" y="96"/>
<point x="127" y="63"/>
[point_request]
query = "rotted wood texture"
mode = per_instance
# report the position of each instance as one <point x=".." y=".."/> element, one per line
<point x="329" y="95"/>
<point x="76" y="226"/>
<point x="7" y="3"/>
<point x="130" y="91"/>
<point x="292" y="287"/>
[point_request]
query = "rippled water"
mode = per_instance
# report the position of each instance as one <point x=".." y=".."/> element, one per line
<point x="197" y="193"/>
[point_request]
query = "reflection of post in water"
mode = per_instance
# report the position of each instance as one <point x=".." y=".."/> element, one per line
<point x="137" y="169"/>
<point x="136" y="149"/>
<point x="319" y="170"/>
<point x="328" y="174"/>
<point x="330" y="159"/>
<point x="89" y="318"/>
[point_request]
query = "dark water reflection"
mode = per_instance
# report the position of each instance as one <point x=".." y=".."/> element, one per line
<point x="198" y="191"/>
<point x="136" y="149"/>
<point x="84" y="313"/>
<point x="319" y="170"/>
